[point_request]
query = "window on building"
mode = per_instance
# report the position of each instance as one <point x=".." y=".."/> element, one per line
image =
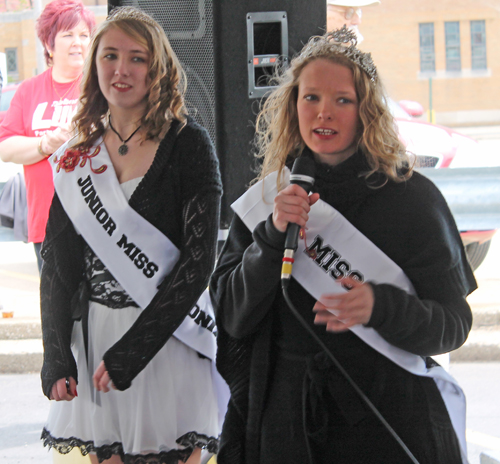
<point x="452" y="43"/>
<point x="11" y="57"/>
<point x="478" y="44"/>
<point x="427" y="53"/>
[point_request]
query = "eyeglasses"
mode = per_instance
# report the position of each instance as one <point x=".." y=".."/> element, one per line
<point x="348" y="12"/>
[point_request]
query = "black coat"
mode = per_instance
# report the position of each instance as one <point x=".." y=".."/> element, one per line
<point x="180" y="196"/>
<point x="411" y="223"/>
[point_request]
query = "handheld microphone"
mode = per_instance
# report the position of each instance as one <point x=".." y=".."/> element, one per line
<point x="303" y="175"/>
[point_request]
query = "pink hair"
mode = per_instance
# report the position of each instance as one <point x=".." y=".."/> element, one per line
<point x="61" y="15"/>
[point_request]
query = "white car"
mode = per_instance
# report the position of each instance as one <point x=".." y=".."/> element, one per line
<point x="437" y="147"/>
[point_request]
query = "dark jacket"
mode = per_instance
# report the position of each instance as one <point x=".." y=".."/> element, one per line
<point x="180" y="196"/>
<point x="410" y="222"/>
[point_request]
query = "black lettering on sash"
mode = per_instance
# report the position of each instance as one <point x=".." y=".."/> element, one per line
<point x="205" y="320"/>
<point x="95" y="204"/>
<point x="356" y="275"/>
<point x="92" y="199"/>
<point x="317" y="246"/>
<point x="128" y="247"/>
<point x="102" y="215"/>
<point x="150" y="270"/>
<point x="87" y="187"/>
<point x="134" y="254"/>
<point x="194" y="311"/>
<point x="141" y="260"/>
<point x="333" y="257"/>
<point x="211" y="326"/>
<point x="341" y="269"/>
<point x="84" y="182"/>
<point x="109" y="227"/>
<point x="331" y="261"/>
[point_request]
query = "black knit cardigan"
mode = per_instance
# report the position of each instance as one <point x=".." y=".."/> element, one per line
<point x="180" y="196"/>
<point x="409" y="221"/>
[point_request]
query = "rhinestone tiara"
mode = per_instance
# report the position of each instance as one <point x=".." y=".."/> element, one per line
<point x="129" y="12"/>
<point x="344" y="41"/>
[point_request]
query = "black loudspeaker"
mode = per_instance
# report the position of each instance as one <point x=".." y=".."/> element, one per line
<point x="228" y="49"/>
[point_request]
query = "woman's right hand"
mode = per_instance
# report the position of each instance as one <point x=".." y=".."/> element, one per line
<point x="62" y="392"/>
<point x="292" y="204"/>
<point x="52" y="140"/>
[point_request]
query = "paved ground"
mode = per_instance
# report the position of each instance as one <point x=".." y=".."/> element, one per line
<point x="24" y="410"/>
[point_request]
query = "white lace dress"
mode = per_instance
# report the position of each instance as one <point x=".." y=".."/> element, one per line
<point x="170" y="408"/>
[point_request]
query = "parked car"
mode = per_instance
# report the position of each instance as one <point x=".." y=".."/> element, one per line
<point x="8" y="92"/>
<point x="7" y="169"/>
<point x="437" y="146"/>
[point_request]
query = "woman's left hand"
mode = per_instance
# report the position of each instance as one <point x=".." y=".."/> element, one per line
<point x="351" y="308"/>
<point x="101" y="379"/>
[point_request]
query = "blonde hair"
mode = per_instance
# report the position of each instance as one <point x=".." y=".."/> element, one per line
<point x="165" y="100"/>
<point x="277" y="127"/>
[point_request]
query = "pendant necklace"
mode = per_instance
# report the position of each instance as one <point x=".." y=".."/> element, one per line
<point x="123" y="150"/>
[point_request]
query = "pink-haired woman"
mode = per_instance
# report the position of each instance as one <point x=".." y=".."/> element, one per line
<point x="38" y="120"/>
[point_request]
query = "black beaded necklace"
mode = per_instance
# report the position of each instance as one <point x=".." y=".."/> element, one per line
<point x="123" y="149"/>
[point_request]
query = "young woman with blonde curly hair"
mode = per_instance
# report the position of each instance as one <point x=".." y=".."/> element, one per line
<point x="131" y="242"/>
<point x="371" y="226"/>
<point x="279" y="139"/>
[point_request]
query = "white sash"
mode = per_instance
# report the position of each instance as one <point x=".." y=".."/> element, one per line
<point x="345" y="250"/>
<point x="137" y="254"/>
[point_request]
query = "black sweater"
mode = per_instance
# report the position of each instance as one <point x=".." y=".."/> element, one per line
<point x="180" y="196"/>
<point x="409" y="221"/>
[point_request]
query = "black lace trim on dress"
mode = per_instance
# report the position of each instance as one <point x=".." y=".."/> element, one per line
<point x="198" y="440"/>
<point x="104" y="288"/>
<point x="189" y="441"/>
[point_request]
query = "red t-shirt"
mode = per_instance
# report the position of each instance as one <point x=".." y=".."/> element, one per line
<point x="39" y="105"/>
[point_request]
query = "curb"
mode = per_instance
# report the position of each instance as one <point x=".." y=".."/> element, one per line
<point x="490" y="458"/>
<point x="17" y="330"/>
<point x="21" y="348"/>
<point x="25" y="363"/>
<point x="21" y="356"/>
<point x="476" y="353"/>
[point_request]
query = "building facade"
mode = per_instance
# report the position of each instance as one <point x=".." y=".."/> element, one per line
<point x="442" y="53"/>
<point x="18" y="38"/>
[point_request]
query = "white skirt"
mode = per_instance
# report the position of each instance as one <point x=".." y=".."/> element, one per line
<point x="170" y="409"/>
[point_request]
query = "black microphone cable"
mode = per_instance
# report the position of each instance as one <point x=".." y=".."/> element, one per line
<point x="366" y="400"/>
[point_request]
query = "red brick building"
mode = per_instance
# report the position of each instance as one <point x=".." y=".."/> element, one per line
<point x="449" y="46"/>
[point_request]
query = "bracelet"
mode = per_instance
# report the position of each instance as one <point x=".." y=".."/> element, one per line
<point x="40" y="150"/>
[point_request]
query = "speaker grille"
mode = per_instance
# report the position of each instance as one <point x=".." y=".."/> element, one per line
<point x="189" y="28"/>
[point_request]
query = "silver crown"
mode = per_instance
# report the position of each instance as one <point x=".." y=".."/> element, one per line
<point x="129" y="12"/>
<point x="344" y="40"/>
